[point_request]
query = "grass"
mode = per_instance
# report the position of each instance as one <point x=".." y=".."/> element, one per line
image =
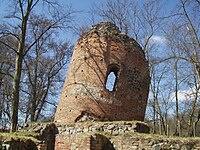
<point x="22" y="136"/>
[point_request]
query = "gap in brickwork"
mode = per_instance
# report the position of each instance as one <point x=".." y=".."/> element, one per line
<point x="111" y="79"/>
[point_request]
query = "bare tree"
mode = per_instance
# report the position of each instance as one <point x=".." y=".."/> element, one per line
<point x="184" y="42"/>
<point x="156" y="92"/>
<point x="21" y="13"/>
<point x="43" y="64"/>
<point x="139" y="22"/>
<point x="6" y="76"/>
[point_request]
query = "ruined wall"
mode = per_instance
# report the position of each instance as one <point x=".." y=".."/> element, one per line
<point x="124" y="142"/>
<point x="91" y="135"/>
<point x="153" y="142"/>
<point x="110" y="128"/>
<point x="18" y="144"/>
<point x="74" y="142"/>
<point x="101" y="50"/>
<point x="83" y="142"/>
<point x="115" y="135"/>
<point x="45" y="133"/>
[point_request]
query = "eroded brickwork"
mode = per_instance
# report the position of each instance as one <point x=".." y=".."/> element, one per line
<point x="101" y="50"/>
<point x="124" y="142"/>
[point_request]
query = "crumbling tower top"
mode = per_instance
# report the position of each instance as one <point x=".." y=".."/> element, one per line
<point x="111" y="30"/>
<point x="87" y="95"/>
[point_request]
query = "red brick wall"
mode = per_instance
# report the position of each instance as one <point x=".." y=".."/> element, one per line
<point x="84" y="90"/>
<point x="64" y="142"/>
<point x="83" y="142"/>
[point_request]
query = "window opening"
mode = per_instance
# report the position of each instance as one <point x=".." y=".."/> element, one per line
<point x="111" y="79"/>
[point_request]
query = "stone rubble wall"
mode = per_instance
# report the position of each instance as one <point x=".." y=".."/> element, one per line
<point x="152" y="142"/>
<point x="19" y="144"/>
<point x="110" y="128"/>
<point x="96" y="141"/>
<point x="122" y="135"/>
<point x="45" y="133"/>
<point x="118" y="135"/>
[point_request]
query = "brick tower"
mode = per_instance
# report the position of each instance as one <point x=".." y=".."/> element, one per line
<point x="101" y="51"/>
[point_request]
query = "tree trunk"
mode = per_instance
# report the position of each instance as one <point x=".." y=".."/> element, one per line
<point x="16" y="88"/>
<point x="18" y="65"/>
<point x="17" y="75"/>
<point x="177" y="131"/>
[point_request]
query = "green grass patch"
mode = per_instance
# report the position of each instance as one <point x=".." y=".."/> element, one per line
<point x="22" y="136"/>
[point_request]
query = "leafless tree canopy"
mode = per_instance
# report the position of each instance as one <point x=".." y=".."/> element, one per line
<point x="27" y="32"/>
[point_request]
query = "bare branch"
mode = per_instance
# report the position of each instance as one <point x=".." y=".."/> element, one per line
<point x="7" y="45"/>
<point x="21" y="7"/>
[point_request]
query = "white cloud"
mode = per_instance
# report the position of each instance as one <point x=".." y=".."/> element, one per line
<point x="183" y="95"/>
<point x="158" y="39"/>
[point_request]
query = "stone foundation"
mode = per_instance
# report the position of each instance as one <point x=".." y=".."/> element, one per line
<point x="94" y="135"/>
<point x="19" y="144"/>
<point x="86" y="141"/>
<point x="109" y="128"/>
<point x="121" y="135"/>
<point x="46" y="133"/>
<point x="153" y="142"/>
<point x="33" y="136"/>
<point x="118" y="135"/>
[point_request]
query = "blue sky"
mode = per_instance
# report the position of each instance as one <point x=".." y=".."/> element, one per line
<point x="80" y="5"/>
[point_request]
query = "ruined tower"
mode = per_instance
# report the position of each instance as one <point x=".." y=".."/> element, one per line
<point x="99" y="52"/>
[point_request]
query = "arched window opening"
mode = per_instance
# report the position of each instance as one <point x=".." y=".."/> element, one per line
<point x="111" y="79"/>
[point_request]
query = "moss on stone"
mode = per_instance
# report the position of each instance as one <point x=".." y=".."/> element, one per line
<point x="100" y="122"/>
<point x="21" y="136"/>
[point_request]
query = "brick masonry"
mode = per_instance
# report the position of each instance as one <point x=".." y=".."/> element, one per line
<point x="95" y="135"/>
<point x="124" y="142"/>
<point x="101" y="50"/>
<point x="114" y="135"/>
